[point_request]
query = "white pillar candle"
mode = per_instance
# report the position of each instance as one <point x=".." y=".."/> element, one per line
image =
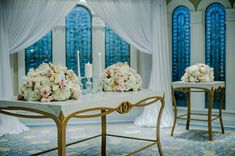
<point x="100" y="65"/>
<point x="79" y="73"/>
<point x="88" y="70"/>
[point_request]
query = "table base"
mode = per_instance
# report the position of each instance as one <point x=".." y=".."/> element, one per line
<point x="187" y="91"/>
<point x="61" y="123"/>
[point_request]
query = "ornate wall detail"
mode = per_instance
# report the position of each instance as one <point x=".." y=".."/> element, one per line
<point x="196" y="2"/>
<point x="78" y="37"/>
<point x="232" y="2"/>
<point x="39" y="52"/>
<point x="116" y="49"/>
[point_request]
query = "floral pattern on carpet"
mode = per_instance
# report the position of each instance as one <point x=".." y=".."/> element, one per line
<point x="184" y="143"/>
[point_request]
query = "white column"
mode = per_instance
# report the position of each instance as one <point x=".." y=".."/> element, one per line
<point x="145" y="66"/>
<point x="197" y="53"/>
<point x="21" y="66"/>
<point x="98" y="46"/>
<point x="58" y="45"/>
<point x="230" y="63"/>
<point x="133" y="57"/>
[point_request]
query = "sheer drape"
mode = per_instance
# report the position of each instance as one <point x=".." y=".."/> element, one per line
<point x="23" y="22"/>
<point x="143" y="24"/>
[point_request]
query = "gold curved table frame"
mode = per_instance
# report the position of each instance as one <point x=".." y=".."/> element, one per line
<point x="61" y="123"/>
<point x="211" y="92"/>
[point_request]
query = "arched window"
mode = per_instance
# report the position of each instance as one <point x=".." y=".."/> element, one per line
<point x="78" y="38"/>
<point x="180" y="46"/>
<point x="116" y="49"/>
<point x="39" y="52"/>
<point x="215" y="43"/>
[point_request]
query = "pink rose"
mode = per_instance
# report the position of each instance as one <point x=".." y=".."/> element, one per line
<point x="45" y="91"/>
<point x="50" y="73"/>
<point x="29" y="83"/>
<point x="19" y="97"/>
<point x="48" y="99"/>
<point x="71" y="74"/>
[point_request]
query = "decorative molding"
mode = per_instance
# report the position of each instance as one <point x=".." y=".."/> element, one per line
<point x="232" y="2"/>
<point x="230" y="15"/>
<point x="197" y="2"/>
<point x="196" y="17"/>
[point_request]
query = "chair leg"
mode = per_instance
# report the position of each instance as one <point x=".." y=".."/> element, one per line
<point x="220" y="109"/>
<point x="210" y="113"/>
<point x="103" y="141"/>
<point x="188" y="109"/>
<point x="159" y="148"/>
<point x="175" y="112"/>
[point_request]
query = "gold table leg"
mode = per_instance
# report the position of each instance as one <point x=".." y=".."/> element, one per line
<point x="188" y="108"/>
<point x="61" y="135"/>
<point x="220" y="109"/>
<point x="159" y="127"/>
<point x="103" y="141"/>
<point x="210" y="113"/>
<point x="175" y="111"/>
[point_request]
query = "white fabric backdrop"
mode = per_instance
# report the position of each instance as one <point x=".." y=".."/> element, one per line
<point x="23" y="22"/>
<point x="143" y="24"/>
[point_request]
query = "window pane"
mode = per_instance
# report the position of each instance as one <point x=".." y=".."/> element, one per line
<point x="215" y="44"/>
<point x="39" y="52"/>
<point x="180" y="47"/>
<point x="78" y="37"/>
<point x="116" y="49"/>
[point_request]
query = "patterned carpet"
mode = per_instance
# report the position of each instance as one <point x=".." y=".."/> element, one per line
<point x="184" y="143"/>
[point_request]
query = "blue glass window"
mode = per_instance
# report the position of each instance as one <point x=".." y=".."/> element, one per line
<point x="39" y="52"/>
<point x="116" y="49"/>
<point x="78" y="37"/>
<point x="180" y="47"/>
<point x="215" y="43"/>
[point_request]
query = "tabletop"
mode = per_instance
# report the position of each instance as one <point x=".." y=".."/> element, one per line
<point x="206" y="85"/>
<point x="101" y="99"/>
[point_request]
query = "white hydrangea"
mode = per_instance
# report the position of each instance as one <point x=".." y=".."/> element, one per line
<point x="120" y="77"/>
<point x="49" y="82"/>
<point x="198" y="73"/>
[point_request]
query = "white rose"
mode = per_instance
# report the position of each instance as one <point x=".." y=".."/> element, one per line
<point x="55" y="87"/>
<point x="34" y="96"/>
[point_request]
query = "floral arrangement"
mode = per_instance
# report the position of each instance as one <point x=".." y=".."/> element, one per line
<point x="198" y="73"/>
<point x="120" y="77"/>
<point x="49" y="83"/>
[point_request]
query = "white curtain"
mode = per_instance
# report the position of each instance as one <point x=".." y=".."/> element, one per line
<point x="143" y="24"/>
<point x="23" y="22"/>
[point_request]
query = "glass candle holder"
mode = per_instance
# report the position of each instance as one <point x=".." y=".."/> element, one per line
<point x="89" y="85"/>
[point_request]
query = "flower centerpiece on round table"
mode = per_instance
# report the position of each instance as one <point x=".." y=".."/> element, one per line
<point x="198" y="73"/>
<point x="120" y="77"/>
<point x="49" y="83"/>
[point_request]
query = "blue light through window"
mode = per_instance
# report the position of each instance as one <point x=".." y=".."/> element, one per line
<point x="180" y="47"/>
<point x="215" y="43"/>
<point x="116" y="49"/>
<point x="78" y="37"/>
<point x="39" y="52"/>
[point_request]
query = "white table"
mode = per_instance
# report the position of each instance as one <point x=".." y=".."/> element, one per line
<point x="103" y="102"/>
<point x="210" y="88"/>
